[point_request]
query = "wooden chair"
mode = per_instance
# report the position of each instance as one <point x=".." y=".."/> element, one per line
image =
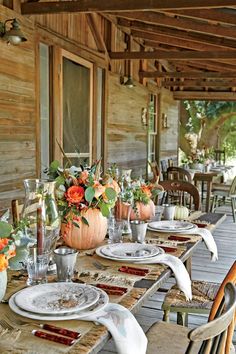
<point x="220" y="156"/>
<point x="179" y="173"/>
<point x="164" y="167"/>
<point x="204" y="294"/>
<point x="182" y="187"/>
<point x="226" y="192"/>
<point x="155" y="170"/>
<point x="210" y="338"/>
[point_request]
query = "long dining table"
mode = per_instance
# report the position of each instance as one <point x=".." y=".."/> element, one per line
<point x="139" y="288"/>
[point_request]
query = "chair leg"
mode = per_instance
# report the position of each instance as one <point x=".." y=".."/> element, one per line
<point x="214" y="202"/>
<point x="182" y="318"/>
<point x="166" y="315"/>
<point x="233" y="205"/>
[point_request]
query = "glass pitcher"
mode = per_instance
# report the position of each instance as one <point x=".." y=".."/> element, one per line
<point x="40" y="211"/>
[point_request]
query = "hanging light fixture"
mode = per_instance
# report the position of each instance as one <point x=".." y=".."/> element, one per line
<point x="129" y="82"/>
<point x="14" y="35"/>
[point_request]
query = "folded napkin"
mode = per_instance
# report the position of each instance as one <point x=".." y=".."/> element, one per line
<point x="180" y="272"/>
<point x="208" y="239"/>
<point x="128" y="336"/>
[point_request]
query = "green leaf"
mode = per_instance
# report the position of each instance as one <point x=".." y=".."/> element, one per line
<point x="105" y="210"/>
<point x="5" y="229"/>
<point x="89" y="194"/>
<point x="60" y="180"/>
<point x="75" y="224"/>
<point x="110" y="193"/>
<point x="54" y="165"/>
<point x="84" y="220"/>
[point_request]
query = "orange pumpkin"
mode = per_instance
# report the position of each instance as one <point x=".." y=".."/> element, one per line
<point x="85" y="237"/>
<point x="143" y="211"/>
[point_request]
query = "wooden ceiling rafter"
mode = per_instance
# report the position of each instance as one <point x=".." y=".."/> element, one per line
<point x="86" y="6"/>
<point x="196" y="37"/>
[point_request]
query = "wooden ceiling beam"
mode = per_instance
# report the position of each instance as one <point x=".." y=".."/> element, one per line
<point x="206" y="96"/>
<point x="153" y="39"/>
<point x="50" y="7"/>
<point x="181" y="23"/>
<point x="175" y="33"/>
<point x="212" y="15"/>
<point x="199" y="83"/>
<point x="174" y="55"/>
<point x="188" y="74"/>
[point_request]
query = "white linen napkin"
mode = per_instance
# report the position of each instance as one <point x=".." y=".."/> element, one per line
<point x="208" y="239"/>
<point x="180" y="272"/>
<point x="128" y="336"/>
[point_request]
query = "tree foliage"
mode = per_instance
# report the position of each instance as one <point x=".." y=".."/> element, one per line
<point x="213" y="121"/>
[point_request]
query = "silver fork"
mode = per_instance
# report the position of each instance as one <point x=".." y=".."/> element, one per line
<point x="99" y="265"/>
<point x="18" y="322"/>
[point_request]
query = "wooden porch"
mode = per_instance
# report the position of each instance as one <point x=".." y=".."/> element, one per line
<point x="225" y="236"/>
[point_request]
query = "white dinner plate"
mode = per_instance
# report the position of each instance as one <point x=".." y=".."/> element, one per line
<point x="57" y="298"/>
<point x="99" y="305"/>
<point x="113" y="258"/>
<point x="131" y="251"/>
<point x="171" y="226"/>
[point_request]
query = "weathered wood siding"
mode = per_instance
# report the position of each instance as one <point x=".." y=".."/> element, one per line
<point x="126" y="142"/>
<point x="169" y="135"/>
<point x="126" y="136"/>
<point x="17" y="110"/>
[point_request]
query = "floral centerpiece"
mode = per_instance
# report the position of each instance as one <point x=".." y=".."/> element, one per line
<point x="84" y="199"/>
<point x="7" y="251"/>
<point x="139" y="196"/>
<point x="7" y="244"/>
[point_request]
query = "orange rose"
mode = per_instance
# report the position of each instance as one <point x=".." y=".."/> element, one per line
<point x="75" y="194"/>
<point x="3" y="262"/>
<point x="146" y="190"/>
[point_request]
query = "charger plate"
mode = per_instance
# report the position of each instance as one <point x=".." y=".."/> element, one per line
<point x="131" y="251"/>
<point x="57" y="298"/>
<point x="171" y="226"/>
<point x="99" y="305"/>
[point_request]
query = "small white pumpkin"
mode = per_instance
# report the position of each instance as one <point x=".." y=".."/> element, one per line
<point x="181" y="212"/>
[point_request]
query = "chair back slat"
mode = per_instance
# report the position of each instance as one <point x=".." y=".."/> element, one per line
<point x="214" y="333"/>
<point x="230" y="277"/>
<point x="232" y="189"/>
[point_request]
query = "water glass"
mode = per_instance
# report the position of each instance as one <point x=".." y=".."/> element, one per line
<point x="65" y="259"/>
<point x="37" y="266"/>
<point x="169" y="212"/>
<point x="115" y="232"/>
<point x="158" y="213"/>
<point x="139" y="229"/>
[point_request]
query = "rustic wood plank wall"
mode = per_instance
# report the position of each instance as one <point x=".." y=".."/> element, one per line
<point x="126" y="135"/>
<point x="169" y="135"/>
<point x="17" y="110"/>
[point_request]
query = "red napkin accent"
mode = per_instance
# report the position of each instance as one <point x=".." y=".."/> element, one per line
<point x="168" y="249"/>
<point x="178" y="238"/>
<point x="135" y="271"/>
<point x="111" y="289"/>
<point x="200" y="225"/>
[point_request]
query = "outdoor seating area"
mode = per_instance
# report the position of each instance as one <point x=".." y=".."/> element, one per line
<point x="117" y="177"/>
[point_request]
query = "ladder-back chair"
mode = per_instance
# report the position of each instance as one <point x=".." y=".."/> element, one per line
<point x="179" y="173"/>
<point x="183" y="188"/>
<point x="208" y="338"/>
<point x="227" y="192"/>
